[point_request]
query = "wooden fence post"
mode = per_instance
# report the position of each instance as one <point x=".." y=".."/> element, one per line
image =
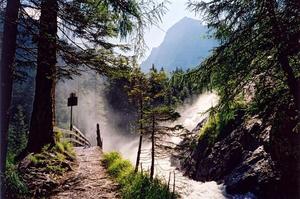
<point x="173" y="195"/>
<point x="169" y="181"/>
<point x="99" y="139"/>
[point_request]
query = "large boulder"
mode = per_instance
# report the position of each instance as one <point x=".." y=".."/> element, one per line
<point x="256" y="173"/>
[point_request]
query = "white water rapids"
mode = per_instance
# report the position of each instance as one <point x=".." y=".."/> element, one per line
<point x="191" y="115"/>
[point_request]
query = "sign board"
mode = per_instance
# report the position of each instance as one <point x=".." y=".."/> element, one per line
<point x="72" y="100"/>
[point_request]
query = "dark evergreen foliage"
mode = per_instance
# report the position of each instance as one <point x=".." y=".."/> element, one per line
<point x="259" y="47"/>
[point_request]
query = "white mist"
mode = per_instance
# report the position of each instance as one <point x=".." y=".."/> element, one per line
<point x="93" y="108"/>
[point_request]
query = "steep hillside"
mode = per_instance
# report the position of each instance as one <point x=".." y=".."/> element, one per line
<point x="185" y="45"/>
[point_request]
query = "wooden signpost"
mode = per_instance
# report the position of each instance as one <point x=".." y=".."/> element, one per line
<point x="72" y="101"/>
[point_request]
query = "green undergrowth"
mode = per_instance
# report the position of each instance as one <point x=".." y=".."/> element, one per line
<point x="219" y="120"/>
<point x="54" y="159"/>
<point x="15" y="185"/>
<point x="134" y="185"/>
<point x="41" y="172"/>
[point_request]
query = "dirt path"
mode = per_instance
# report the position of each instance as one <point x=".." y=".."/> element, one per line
<point x="89" y="180"/>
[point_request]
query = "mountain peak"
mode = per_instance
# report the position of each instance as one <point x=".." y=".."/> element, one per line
<point x="185" y="19"/>
<point x="184" y="46"/>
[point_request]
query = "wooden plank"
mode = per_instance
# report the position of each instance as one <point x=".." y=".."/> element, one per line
<point x="74" y="141"/>
<point x="79" y="132"/>
<point x="79" y="137"/>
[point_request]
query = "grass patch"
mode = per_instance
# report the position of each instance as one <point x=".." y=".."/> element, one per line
<point x="218" y="121"/>
<point x="134" y="185"/>
<point x="16" y="187"/>
<point x="42" y="171"/>
<point x="54" y="159"/>
<point x="61" y="146"/>
<point x="50" y="161"/>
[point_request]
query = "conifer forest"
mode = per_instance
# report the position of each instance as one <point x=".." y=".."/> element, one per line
<point x="150" y="99"/>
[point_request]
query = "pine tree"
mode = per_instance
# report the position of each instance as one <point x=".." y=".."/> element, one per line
<point x="158" y="110"/>
<point x="259" y="47"/>
<point x="92" y="21"/>
<point x="7" y="62"/>
<point x="259" y="43"/>
<point x="137" y="92"/>
<point x="42" y="119"/>
<point x="18" y="130"/>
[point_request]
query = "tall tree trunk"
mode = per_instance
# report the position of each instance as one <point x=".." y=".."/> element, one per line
<point x="42" y="119"/>
<point x="279" y="38"/>
<point x="153" y="149"/>
<point x="7" y="62"/>
<point x="141" y="138"/>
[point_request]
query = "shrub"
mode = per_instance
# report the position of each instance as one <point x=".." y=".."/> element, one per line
<point x="133" y="185"/>
<point x="109" y="158"/>
<point x="119" y="167"/>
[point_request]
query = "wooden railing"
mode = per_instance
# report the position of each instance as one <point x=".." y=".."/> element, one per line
<point x="76" y="137"/>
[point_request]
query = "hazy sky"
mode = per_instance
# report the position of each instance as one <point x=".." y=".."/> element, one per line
<point x="176" y="11"/>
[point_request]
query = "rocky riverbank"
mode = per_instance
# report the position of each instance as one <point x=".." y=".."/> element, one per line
<point x="257" y="154"/>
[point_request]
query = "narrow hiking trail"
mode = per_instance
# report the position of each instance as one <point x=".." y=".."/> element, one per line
<point x="90" y="180"/>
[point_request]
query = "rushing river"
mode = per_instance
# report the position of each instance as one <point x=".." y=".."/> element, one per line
<point x="93" y="108"/>
<point x="191" y="115"/>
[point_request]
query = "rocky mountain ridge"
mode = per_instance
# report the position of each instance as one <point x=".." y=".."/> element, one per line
<point x="185" y="45"/>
